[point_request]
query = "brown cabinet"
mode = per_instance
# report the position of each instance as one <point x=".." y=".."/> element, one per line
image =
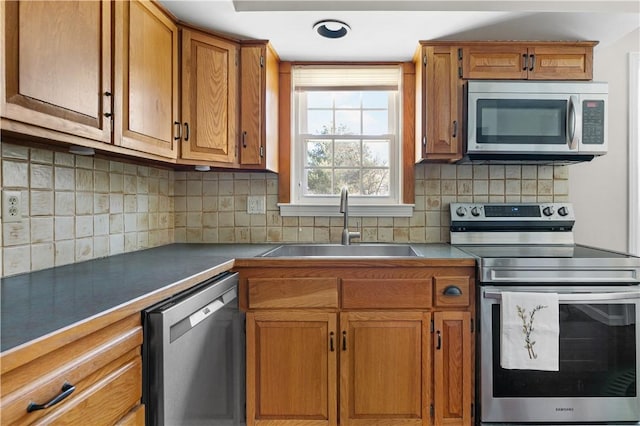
<point x="101" y="374"/>
<point x="146" y="79"/>
<point x="439" y="123"/>
<point x="401" y="336"/>
<point x="259" y="76"/>
<point x="57" y="58"/>
<point x="531" y="60"/>
<point x="209" y="98"/>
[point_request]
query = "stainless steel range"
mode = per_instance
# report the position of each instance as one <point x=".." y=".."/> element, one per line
<point x="530" y="248"/>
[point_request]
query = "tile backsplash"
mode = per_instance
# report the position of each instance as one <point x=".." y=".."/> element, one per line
<point x="77" y="208"/>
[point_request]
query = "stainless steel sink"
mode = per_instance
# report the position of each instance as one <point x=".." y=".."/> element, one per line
<point x="338" y="250"/>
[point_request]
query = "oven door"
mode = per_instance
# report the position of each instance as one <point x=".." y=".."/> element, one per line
<point x="597" y="380"/>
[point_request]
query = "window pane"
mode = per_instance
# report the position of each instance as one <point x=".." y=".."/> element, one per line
<point x="375" y="99"/>
<point x="375" y="153"/>
<point x="347" y="122"/>
<point x="319" y="153"/>
<point x="349" y="178"/>
<point x="375" y="182"/>
<point x="320" y="99"/>
<point x="347" y="99"/>
<point x="347" y="154"/>
<point x="319" y="122"/>
<point x="375" y="122"/>
<point x="318" y="182"/>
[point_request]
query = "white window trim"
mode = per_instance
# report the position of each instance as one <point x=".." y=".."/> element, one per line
<point x="634" y="153"/>
<point x="362" y="207"/>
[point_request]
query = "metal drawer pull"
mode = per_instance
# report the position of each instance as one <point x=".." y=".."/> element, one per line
<point x="579" y="297"/>
<point x="439" y="344"/>
<point x="331" y="348"/>
<point x="186" y="131"/>
<point x="452" y="290"/>
<point x="67" y="389"/>
<point x="179" y="128"/>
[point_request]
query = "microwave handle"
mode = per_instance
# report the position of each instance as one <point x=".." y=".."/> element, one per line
<point x="579" y="297"/>
<point x="572" y="122"/>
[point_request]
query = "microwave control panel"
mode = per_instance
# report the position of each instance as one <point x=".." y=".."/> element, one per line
<point x="593" y="122"/>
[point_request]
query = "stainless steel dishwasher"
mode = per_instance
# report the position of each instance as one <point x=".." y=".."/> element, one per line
<point x="194" y="357"/>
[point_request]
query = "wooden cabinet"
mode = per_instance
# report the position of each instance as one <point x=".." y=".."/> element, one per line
<point x="209" y="98"/>
<point x="101" y="374"/>
<point x="383" y="368"/>
<point x="259" y="76"/>
<point x="532" y="60"/>
<point x="146" y="79"/>
<point x="291" y="368"/>
<point x="57" y="66"/>
<point x="402" y="338"/>
<point x="439" y="124"/>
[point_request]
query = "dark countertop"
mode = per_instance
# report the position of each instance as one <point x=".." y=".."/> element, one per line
<point x="35" y="304"/>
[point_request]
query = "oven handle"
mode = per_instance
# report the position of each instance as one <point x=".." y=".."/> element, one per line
<point x="581" y="297"/>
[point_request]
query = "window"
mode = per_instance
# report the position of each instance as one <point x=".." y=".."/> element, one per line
<point x="346" y="132"/>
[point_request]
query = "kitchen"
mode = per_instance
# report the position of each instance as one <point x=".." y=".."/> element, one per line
<point x="123" y="207"/>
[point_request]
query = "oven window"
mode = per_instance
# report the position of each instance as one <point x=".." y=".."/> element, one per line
<point x="597" y="356"/>
<point x="521" y="121"/>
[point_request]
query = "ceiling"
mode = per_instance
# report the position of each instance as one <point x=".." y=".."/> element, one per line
<point x="388" y="30"/>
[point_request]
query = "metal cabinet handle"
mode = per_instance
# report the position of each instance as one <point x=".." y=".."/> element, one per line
<point x="107" y="93"/>
<point x="455" y="128"/>
<point x="179" y="127"/>
<point x="452" y="290"/>
<point x="244" y="139"/>
<point x="67" y="389"/>
<point x="108" y="114"/>
<point x="331" y="348"/>
<point x="344" y="340"/>
<point x="524" y="62"/>
<point x="187" y="132"/>
<point x="532" y="62"/>
<point x="571" y="124"/>
<point x="439" y="343"/>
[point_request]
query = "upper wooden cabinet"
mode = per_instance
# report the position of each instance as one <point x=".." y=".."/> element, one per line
<point x="209" y="98"/>
<point x="146" y="79"/>
<point x="438" y="104"/>
<point x="531" y="60"/>
<point x="57" y="66"/>
<point x="259" y="75"/>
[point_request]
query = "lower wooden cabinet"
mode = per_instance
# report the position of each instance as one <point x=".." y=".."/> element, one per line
<point x="370" y="351"/>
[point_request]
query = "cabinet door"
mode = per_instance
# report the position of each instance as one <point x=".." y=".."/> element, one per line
<point x="384" y="368"/>
<point x="443" y="94"/>
<point x="209" y="98"/>
<point x="146" y="74"/>
<point x="560" y="63"/>
<point x="252" y="79"/>
<point x="495" y="62"/>
<point x="453" y="384"/>
<point x="57" y="58"/>
<point x="291" y="368"/>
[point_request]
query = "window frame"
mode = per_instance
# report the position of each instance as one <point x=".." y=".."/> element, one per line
<point x="404" y="197"/>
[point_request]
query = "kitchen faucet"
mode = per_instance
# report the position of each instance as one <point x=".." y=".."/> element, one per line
<point x="344" y="208"/>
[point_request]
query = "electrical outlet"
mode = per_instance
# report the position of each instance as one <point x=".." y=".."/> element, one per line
<point x="256" y="204"/>
<point x="11" y="206"/>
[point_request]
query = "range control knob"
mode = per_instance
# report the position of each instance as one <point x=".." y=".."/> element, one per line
<point x="547" y="211"/>
<point x="475" y="211"/>
<point x="461" y="211"/>
<point x="562" y="211"/>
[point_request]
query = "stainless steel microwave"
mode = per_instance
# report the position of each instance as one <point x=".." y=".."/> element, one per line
<point x="534" y="121"/>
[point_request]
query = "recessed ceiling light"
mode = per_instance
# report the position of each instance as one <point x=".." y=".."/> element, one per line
<point x="331" y="28"/>
<point x="81" y="150"/>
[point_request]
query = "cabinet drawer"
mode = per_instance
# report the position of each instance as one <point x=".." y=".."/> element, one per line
<point x="451" y="291"/>
<point x="82" y="363"/>
<point x="293" y="293"/>
<point x="386" y="293"/>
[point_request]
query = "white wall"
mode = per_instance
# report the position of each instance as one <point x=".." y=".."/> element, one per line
<point x="599" y="189"/>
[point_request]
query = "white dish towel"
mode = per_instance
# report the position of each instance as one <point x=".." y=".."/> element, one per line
<point x="529" y="331"/>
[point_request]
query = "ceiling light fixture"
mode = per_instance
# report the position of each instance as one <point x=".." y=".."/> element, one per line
<point x="202" y="168"/>
<point x="81" y="150"/>
<point x="331" y="28"/>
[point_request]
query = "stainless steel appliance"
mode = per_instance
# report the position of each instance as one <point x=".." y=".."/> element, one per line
<point x="530" y="248"/>
<point x="194" y="359"/>
<point x="533" y="121"/>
